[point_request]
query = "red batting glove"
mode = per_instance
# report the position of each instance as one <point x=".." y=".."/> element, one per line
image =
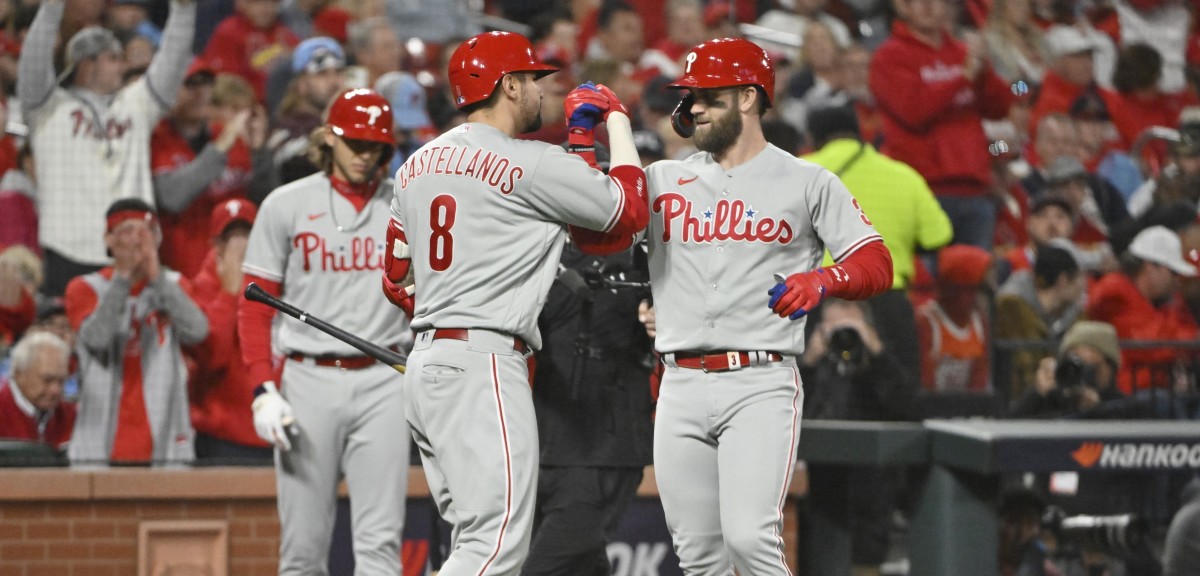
<point x="614" y="103"/>
<point x="400" y="297"/>
<point x="799" y="293"/>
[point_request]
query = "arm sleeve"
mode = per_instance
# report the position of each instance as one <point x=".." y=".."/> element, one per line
<point x="170" y="63"/>
<point x="254" y="330"/>
<point x="176" y="189"/>
<point x="864" y="273"/>
<point x="904" y="95"/>
<point x="100" y="326"/>
<point x="189" y="321"/>
<point x="35" y="67"/>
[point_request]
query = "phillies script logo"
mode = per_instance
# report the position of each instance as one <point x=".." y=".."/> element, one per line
<point x="730" y="221"/>
<point x="364" y="253"/>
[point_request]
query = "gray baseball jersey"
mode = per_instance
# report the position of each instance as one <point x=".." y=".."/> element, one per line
<point x="328" y="259"/>
<point x="483" y="214"/>
<point x="484" y="217"/>
<point x="717" y="237"/>
<point x="725" y="442"/>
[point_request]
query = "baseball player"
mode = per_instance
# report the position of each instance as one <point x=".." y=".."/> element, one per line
<point x="479" y="216"/>
<point x="318" y="243"/>
<point x="736" y="236"/>
<point x="91" y="134"/>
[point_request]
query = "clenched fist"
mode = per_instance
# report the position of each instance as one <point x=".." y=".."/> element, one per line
<point x="798" y="294"/>
<point x="590" y="104"/>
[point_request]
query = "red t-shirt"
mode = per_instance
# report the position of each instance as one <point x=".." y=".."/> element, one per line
<point x="238" y="47"/>
<point x="186" y="235"/>
<point x="221" y="390"/>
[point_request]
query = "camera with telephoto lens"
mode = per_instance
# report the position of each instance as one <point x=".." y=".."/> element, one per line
<point x="1115" y="533"/>
<point x="846" y="346"/>
<point x="1072" y="372"/>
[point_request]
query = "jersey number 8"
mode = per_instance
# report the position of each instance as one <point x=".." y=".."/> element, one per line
<point x="441" y="241"/>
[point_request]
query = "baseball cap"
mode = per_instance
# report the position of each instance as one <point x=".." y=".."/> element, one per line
<point x="89" y="43"/>
<point x="199" y="71"/>
<point x="1099" y="335"/>
<point x="1160" y="245"/>
<point x="231" y="212"/>
<point x="1065" y="169"/>
<point x="963" y="264"/>
<point x="317" y="54"/>
<point x="1065" y="40"/>
<point x="1090" y="106"/>
<point x="407" y="98"/>
<point x="1048" y="199"/>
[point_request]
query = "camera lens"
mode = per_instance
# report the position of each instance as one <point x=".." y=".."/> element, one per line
<point x="846" y="344"/>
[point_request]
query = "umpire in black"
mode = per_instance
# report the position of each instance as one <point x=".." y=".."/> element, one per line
<point x="592" y="398"/>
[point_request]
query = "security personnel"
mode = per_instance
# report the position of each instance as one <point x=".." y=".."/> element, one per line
<point x="592" y="399"/>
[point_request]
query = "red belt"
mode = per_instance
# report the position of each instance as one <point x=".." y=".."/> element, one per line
<point x="343" y="362"/>
<point x="464" y="334"/>
<point x="722" y="361"/>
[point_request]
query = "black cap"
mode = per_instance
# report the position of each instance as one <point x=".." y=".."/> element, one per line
<point x="1090" y="106"/>
<point x="825" y="122"/>
<point x="1048" y="199"/>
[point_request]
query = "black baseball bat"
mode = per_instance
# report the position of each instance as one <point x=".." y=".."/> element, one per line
<point x="394" y="359"/>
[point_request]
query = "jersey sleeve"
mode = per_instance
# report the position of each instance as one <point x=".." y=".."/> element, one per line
<point x="566" y="189"/>
<point x="837" y="217"/>
<point x="269" y="244"/>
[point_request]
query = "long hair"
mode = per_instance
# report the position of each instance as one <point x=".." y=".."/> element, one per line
<point x="320" y="153"/>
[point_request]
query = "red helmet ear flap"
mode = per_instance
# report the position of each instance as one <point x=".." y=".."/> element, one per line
<point x="682" y="120"/>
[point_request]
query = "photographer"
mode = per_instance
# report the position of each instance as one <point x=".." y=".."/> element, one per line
<point x="849" y="374"/>
<point x="1080" y="381"/>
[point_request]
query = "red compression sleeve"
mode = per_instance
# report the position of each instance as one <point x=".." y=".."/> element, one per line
<point x="254" y="330"/>
<point x="635" y="210"/>
<point x="864" y="273"/>
<point x="598" y="243"/>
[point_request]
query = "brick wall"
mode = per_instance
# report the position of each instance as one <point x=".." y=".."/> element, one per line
<point x="66" y="522"/>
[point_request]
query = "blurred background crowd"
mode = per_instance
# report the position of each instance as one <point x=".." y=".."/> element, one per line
<point x="1033" y="165"/>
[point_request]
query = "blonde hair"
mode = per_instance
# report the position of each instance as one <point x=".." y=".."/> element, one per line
<point x="319" y="153"/>
<point x="233" y="91"/>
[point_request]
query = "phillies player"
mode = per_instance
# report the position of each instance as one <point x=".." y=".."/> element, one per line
<point x="318" y="243"/>
<point x="736" y="235"/>
<point x="479" y="215"/>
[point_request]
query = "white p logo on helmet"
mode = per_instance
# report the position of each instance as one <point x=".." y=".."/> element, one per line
<point x="691" y="57"/>
<point x="373" y="111"/>
<point x="233" y="207"/>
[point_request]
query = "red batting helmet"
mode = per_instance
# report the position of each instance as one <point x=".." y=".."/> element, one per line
<point x="479" y="63"/>
<point x="361" y="114"/>
<point x="728" y="62"/>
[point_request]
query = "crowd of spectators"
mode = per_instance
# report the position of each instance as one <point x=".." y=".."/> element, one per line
<point x="1031" y="164"/>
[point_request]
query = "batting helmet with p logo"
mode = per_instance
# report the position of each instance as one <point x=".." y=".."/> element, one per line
<point x="479" y="63"/>
<point x="361" y="114"/>
<point x="721" y="63"/>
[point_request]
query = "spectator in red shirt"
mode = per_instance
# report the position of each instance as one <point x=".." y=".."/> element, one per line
<point x="1072" y="72"/>
<point x="18" y="203"/>
<point x="933" y="91"/>
<point x="221" y="391"/>
<point x="250" y="42"/>
<point x="198" y="163"/>
<point x="1139" y="103"/>
<point x="132" y="319"/>
<point x="1138" y="302"/>
<point x="31" y="406"/>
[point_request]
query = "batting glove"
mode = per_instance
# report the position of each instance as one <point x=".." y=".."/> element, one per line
<point x="272" y="416"/>
<point x="799" y="293"/>
<point x="399" y="296"/>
